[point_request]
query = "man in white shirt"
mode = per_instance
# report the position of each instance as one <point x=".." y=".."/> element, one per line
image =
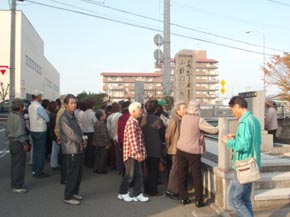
<point x="38" y="118"/>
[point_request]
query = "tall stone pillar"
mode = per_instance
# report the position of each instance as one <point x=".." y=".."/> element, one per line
<point x="224" y="172"/>
<point x="184" y="75"/>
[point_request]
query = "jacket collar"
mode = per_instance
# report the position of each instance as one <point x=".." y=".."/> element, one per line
<point x="244" y="116"/>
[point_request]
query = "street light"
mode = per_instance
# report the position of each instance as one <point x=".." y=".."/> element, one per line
<point x="264" y="57"/>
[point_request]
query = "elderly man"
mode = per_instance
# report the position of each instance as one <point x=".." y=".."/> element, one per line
<point x="16" y="133"/>
<point x="38" y="118"/>
<point x="72" y="145"/>
<point x="271" y="121"/>
<point x="134" y="154"/>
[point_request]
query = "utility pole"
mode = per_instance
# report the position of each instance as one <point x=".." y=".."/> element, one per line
<point x="264" y="64"/>
<point x="12" y="51"/>
<point x="264" y="57"/>
<point x="166" y="48"/>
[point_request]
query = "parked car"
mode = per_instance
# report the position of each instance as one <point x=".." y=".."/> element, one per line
<point x="5" y="105"/>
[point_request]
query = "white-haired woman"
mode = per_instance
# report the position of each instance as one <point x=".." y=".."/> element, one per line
<point x="189" y="151"/>
<point x="134" y="154"/>
<point x="171" y="138"/>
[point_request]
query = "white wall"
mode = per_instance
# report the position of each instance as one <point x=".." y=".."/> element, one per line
<point x="32" y="69"/>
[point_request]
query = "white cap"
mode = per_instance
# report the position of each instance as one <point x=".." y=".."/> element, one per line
<point x="36" y="92"/>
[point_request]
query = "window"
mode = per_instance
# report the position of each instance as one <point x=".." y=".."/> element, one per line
<point x="32" y="64"/>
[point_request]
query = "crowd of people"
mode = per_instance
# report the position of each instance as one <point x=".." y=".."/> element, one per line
<point x="133" y="139"/>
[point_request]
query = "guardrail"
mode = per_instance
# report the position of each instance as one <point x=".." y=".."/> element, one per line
<point x="3" y="116"/>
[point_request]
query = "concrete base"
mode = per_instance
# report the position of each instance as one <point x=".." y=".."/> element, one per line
<point x="267" y="141"/>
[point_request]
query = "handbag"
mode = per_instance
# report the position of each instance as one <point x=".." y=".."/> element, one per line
<point x="247" y="169"/>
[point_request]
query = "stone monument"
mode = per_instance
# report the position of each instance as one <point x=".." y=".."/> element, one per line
<point x="139" y="91"/>
<point x="185" y="78"/>
<point x="256" y="105"/>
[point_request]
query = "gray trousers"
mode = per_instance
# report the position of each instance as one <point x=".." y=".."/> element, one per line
<point x="18" y="159"/>
<point x="133" y="172"/>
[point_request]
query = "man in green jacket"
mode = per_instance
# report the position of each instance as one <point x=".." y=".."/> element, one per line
<point x="244" y="144"/>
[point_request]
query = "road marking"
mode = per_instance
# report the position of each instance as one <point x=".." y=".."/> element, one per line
<point x="2" y="130"/>
<point x="4" y="152"/>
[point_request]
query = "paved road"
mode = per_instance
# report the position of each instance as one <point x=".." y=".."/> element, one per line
<point x="45" y="196"/>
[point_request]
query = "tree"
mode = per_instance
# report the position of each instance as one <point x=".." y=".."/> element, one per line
<point x="98" y="98"/>
<point x="3" y="91"/>
<point x="170" y="102"/>
<point x="277" y="73"/>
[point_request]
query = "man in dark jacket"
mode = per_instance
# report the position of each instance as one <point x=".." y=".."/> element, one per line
<point x="153" y="145"/>
<point x="18" y="146"/>
<point x="72" y="145"/>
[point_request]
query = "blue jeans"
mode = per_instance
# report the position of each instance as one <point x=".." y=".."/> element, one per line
<point x="39" y="152"/>
<point x="54" y="155"/>
<point x="240" y="198"/>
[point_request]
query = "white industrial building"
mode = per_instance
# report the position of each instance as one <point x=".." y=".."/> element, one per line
<point x="32" y="69"/>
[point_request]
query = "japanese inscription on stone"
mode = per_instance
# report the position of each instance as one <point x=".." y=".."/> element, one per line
<point x="184" y="77"/>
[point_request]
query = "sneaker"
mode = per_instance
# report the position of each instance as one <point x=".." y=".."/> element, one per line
<point x="19" y="190"/>
<point x="141" y="198"/>
<point x="72" y="202"/>
<point x="125" y="197"/>
<point x="77" y="197"/>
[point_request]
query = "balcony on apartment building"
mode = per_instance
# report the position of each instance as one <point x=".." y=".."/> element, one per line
<point x="205" y="73"/>
<point x="205" y="96"/>
<point x="206" y="88"/>
<point x="206" y="81"/>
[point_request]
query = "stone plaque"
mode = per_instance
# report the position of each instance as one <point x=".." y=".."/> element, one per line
<point x="184" y="76"/>
<point x="256" y="104"/>
<point x="139" y="91"/>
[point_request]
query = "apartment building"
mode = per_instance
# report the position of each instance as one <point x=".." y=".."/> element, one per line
<point x="121" y="85"/>
<point x="207" y="79"/>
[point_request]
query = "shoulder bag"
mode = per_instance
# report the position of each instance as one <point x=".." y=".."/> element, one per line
<point x="247" y="169"/>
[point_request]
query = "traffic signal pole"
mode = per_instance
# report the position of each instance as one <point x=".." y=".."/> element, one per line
<point x="166" y="47"/>
<point x="12" y="51"/>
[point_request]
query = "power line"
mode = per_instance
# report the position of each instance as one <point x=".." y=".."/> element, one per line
<point x="91" y="15"/>
<point x="280" y="3"/>
<point x="120" y="10"/>
<point x="180" y="26"/>
<point x="227" y="17"/>
<point x="227" y="38"/>
<point x="219" y="44"/>
<point x="149" y="28"/>
<point x="77" y="7"/>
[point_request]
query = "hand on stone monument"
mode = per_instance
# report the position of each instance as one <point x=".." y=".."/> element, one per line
<point x="231" y="136"/>
<point x="227" y="137"/>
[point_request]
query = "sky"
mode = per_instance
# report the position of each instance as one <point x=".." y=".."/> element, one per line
<point x="117" y="36"/>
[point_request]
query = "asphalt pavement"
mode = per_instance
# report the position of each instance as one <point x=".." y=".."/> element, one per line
<point x="45" y="197"/>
